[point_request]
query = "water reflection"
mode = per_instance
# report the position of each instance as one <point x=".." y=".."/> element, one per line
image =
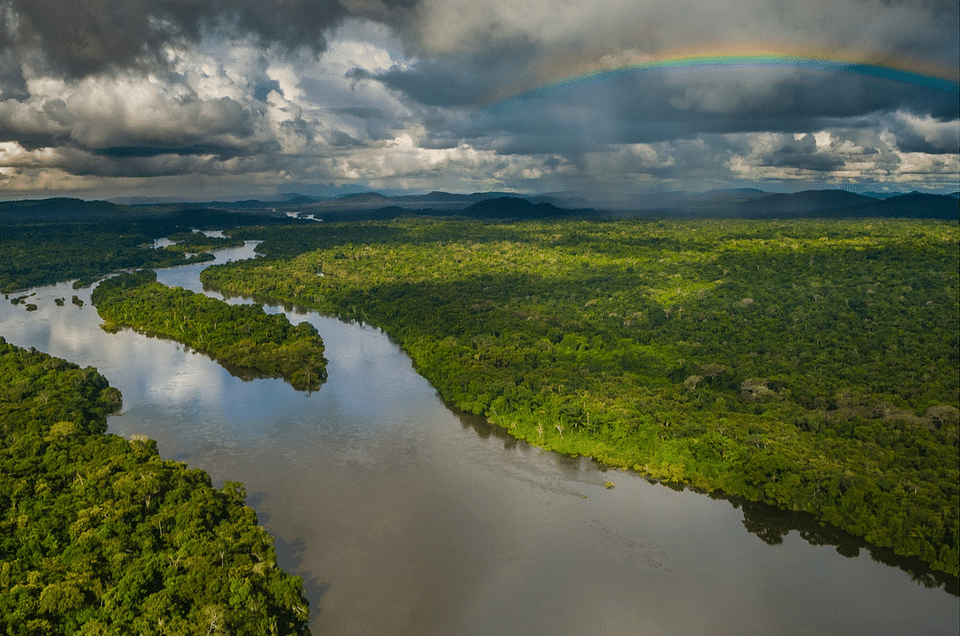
<point x="406" y="518"/>
<point x="772" y="525"/>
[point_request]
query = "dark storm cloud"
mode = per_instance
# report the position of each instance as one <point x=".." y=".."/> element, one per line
<point x="801" y="154"/>
<point x="222" y="151"/>
<point x="361" y="112"/>
<point x="925" y="134"/>
<point x="457" y="81"/>
<point x="435" y="84"/>
<point x="264" y="87"/>
<point x="665" y="105"/>
<point x="357" y="74"/>
<point x="662" y="105"/>
<point x="13" y="85"/>
<point x="574" y="37"/>
<point x="83" y="37"/>
<point x="340" y="139"/>
<point x="911" y="142"/>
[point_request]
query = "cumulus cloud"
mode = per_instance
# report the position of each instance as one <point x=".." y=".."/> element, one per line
<point x="926" y="133"/>
<point x="91" y="36"/>
<point x="471" y="94"/>
<point x="801" y="152"/>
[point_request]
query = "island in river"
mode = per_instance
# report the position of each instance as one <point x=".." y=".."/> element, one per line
<point x="243" y="338"/>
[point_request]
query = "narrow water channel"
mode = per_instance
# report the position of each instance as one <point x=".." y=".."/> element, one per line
<point x="404" y="518"/>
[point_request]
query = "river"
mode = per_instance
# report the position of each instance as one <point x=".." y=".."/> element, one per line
<point x="403" y="517"/>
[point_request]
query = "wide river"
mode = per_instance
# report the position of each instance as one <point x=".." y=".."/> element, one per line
<point x="403" y="517"/>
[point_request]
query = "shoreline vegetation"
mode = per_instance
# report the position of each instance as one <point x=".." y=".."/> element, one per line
<point x="35" y="255"/>
<point x="243" y="338"/>
<point x="48" y="241"/>
<point x="199" y="243"/>
<point x="99" y="535"/>
<point x="807" y="364"/>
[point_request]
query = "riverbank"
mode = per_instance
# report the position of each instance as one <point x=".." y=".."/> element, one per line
<point x="396" y="512"/>
<point x="805" y="364"/>
<point x="245" y="339"/>
<point x="101" y="535"/>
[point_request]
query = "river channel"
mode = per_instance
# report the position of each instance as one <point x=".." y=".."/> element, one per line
<point x="403" y="517"/>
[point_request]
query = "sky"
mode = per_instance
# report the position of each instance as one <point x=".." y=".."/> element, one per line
<point x="230" y="99"/>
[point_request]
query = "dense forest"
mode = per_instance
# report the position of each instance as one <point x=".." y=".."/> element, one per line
<point x="243" y="338"/>
<point x="99" y="535"/>
<point x="53" y="240"/>
<point x="34" y="255"/>
<point x="198" y="242"/>
<point x="808" y="364"/>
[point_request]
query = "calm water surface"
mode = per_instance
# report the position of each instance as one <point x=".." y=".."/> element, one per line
<point x="404" y="518"/>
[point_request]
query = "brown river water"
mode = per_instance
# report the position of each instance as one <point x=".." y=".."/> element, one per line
<point x="406" y="518"/>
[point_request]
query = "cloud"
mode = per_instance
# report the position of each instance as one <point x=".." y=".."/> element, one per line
<point x="839" y="156"/>
<point x="98" y="113"/>
<point x="654" y="105"/>
<point x="576" y="36"/>
<point x="926" y="133"/>
<point x="219" y="109"/>
<point x="85" y="37"/>
<point x="800" y="152"/>
<point x="470" y="94"/>
<point x="462" y="80"/>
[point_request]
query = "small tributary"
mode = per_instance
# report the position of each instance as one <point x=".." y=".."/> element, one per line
<point x="403" y="517"/>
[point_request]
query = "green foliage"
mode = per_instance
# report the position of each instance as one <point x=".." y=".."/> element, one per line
<point x="245" y="339"/>
<point x="100" y="535"/>
<point x="807" y="364"/>
<point x="53" y="240"/>
<point x="197" y="242"/>
<point x="35" y="254"/>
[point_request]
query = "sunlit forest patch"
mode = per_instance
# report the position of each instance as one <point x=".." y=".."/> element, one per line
<point x="808" y="364"/>
<point x="246" y="340"/>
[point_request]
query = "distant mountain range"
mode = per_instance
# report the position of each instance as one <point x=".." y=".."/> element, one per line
<point x="735" y="203"/>
<point x="837" y="203"/>
<point x="434" y="201"/>
<point x="80" y="212"/>
<point x="730" y="203"/>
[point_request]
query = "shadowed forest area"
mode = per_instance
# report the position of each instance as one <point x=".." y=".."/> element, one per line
<point x="52" y="240"/>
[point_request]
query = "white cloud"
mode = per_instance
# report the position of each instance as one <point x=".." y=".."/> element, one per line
<point x="939" y="135"/>
<point x="859" y="157"/>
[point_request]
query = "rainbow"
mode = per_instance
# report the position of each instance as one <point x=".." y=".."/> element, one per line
<point x="560" y="73"/>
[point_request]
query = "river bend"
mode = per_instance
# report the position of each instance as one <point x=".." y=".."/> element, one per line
<point x="404" y="518"/>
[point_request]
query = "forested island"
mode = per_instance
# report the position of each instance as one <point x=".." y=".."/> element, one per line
<point x="807" y="364"/>
<point x="99" y="535"/>
<point x="242" y="338"/>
